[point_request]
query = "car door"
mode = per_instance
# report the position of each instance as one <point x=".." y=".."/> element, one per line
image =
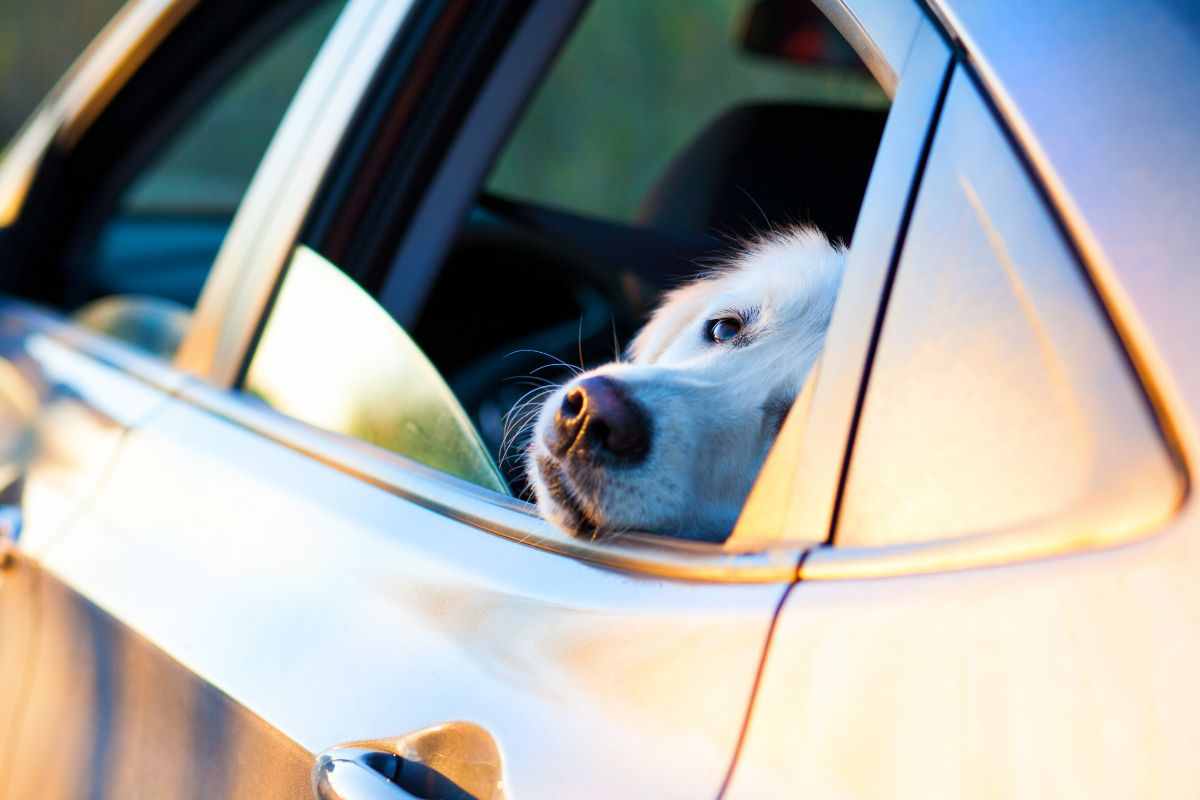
<point x="248" y="590"/>
<point x="74" y="383"/>
<point x="1003" y="424"/>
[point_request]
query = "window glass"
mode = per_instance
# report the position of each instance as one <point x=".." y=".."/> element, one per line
<point x="38" y="42"/>
<point x="208" y="165"/>
<point x="999" y="395"/>
<point x="638" y="80"/>
<point x="170" y="220"/>
<point x="332" y="357"/>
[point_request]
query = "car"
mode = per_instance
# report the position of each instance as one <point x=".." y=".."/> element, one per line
<point x="270" y="270"/>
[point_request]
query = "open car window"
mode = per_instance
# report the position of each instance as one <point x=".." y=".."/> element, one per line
<point x="660" y="138"/>
<point x="547" y="275"/>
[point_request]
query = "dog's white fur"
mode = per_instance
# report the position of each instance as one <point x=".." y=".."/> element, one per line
<point x="714" y="408"/>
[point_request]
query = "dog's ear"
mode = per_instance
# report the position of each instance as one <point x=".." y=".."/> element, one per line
<point x="679" y="308"/>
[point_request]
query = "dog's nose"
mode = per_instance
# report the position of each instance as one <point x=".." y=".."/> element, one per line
<point x="597" y="414"/>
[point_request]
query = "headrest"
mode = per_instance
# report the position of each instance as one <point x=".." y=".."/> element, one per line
<point x="767" y="164"/>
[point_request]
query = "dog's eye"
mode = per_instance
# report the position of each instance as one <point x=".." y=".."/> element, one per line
<point x="723" y="330"/>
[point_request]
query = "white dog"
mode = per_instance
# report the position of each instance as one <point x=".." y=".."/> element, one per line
<point x="670" y="441"/>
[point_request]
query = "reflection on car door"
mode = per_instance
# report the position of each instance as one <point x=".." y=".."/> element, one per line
<point x="336" y="611"/>
<point x="69" y="406"/>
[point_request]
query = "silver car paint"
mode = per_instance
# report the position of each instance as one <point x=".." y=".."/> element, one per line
<point x="1066" y="677"/>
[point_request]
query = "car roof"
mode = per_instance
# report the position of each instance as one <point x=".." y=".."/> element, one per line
<point x="1102" y="98"/>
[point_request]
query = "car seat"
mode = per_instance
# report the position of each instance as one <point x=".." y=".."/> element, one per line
<point x="769" y="164"/>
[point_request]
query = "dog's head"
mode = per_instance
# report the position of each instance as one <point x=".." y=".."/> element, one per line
<point x="671" y="440"/>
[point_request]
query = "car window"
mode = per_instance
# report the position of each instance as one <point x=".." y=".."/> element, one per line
<point x="999" y="396"/>
<point x="169" y="220"/>
<point x="547" y="274"/>
<point x="40" y="42"/>
<point x="207" y="166"/>
<point x="332" y="357"/>
<point x="660" y="135"/>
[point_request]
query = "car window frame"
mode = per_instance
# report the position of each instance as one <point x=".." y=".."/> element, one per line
<point x="432" y="224"/>
<point x="237" y="295"/>
<point x="248" y="273"/>
<point x="796" y="496"/>
<point x="249" y="266"/>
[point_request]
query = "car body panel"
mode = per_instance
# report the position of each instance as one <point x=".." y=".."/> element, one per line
<point x="63" y="393"/>
<point x="1071" y="677"/>
<point x="18" y="618"/>
<point x="109" y="715"/>
<point x="1053" y="444"/>
<point x="343" y="612"/>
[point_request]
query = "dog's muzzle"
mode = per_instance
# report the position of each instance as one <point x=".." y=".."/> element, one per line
<point x="598" y="422"/>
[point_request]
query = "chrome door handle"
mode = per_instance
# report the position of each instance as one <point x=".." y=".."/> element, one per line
<point x="453" y="761"/>
<point x="10" y="532"/>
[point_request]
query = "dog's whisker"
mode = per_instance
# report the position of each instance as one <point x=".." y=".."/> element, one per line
<point x="766" y="219"/>
<point x="520" y="415"/>
<point x="553" y="358"/>
<point x="579" y="342"/>
<point x="513" y="425"/>
<point x="530" y="379"/>
<point x="553" y="366"/>
<point x="616" y="344"/>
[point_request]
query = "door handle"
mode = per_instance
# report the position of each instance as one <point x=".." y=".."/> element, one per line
<point x="452" y="761"/>
<point x="10" y="532"/>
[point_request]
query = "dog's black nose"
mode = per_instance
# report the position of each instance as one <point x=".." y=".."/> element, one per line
<point x="598" y="419"/>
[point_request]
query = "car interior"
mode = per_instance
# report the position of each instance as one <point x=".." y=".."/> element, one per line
<point x="538" y="276"/>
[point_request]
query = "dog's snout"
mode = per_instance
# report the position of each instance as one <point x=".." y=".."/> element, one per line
<point x="598" y="414"/>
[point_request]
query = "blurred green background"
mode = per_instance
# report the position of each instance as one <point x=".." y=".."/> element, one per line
<point x="38" y="41"/>
<point x="637" y="81"/>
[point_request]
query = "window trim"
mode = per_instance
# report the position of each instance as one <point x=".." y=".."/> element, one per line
<point x="86" y="89"/>
<point x="880" y="31"/>
<point x="494" y="513"/>
<point x="489" y="512"/>
<point x="255" y="252"/>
